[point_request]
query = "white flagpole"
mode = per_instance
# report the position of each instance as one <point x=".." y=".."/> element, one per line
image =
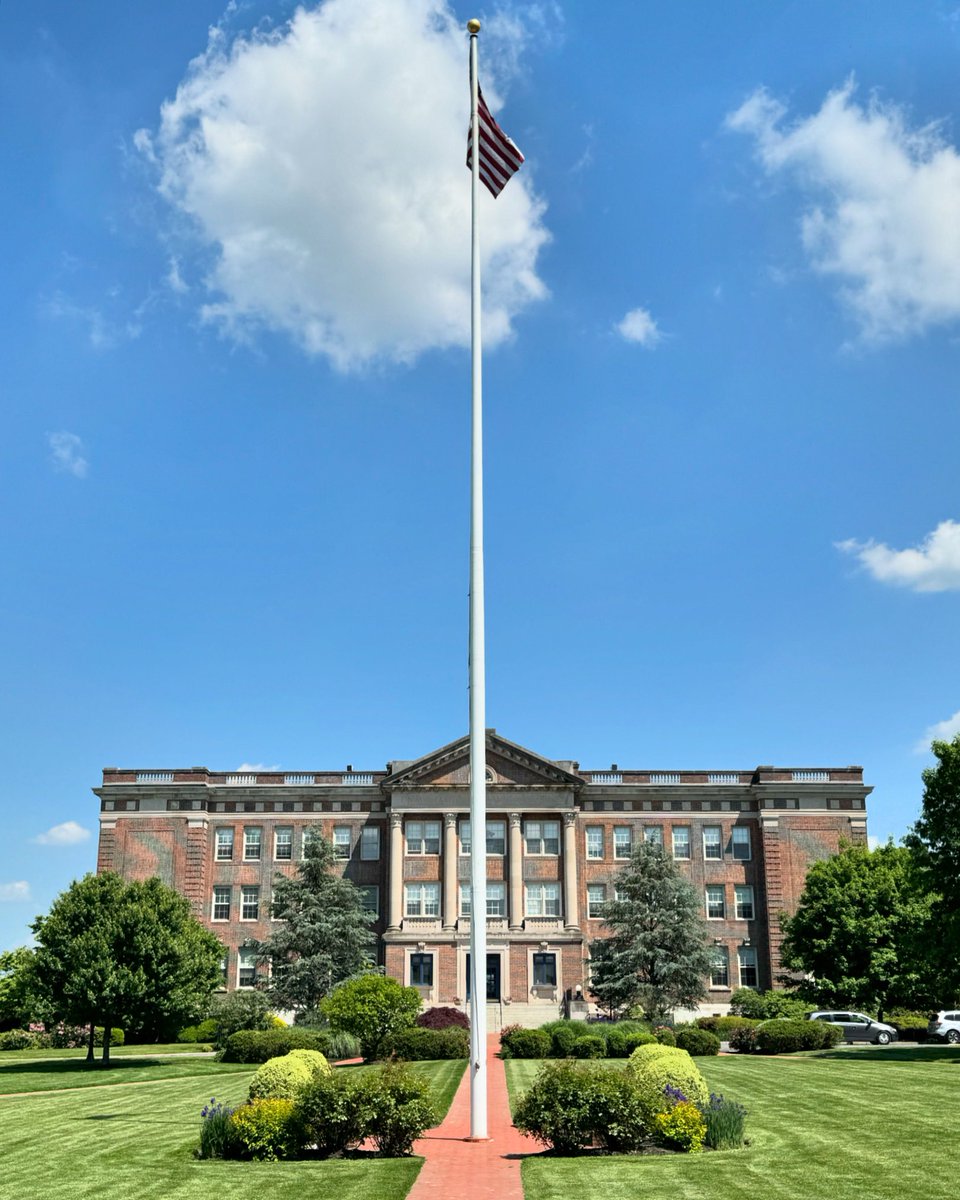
<point x="477" y="684"/>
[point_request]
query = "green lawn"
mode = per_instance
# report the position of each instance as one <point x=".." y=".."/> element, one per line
<point x="138" y="1141"/>
<point x="132" y="1051"/>
<point x="851" y="1124"/>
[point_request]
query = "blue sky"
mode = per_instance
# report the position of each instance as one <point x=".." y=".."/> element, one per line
<point x="723" y="300"/>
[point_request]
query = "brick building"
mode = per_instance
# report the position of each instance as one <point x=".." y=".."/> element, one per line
<point x="556" y="838"/>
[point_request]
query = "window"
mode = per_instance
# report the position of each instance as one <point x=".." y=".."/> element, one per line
<point x="741" y="843"/>
<point x="747" y="957"/>
<point x="653" y="834"/>
<point x="251" y="843"/>
<point x="221" y="903"/>
<point x="681" y="841"/>
<point x="743" y="901"/>
<point x="543" y="900"/>
<point x="712" y="843"/>
<point x="283" y="843"/>
<point x="716" y="904"/>
<point x="423" y="899"/>
<point x="341" y="841"/>
<point x="496" y="900"/>
<point x="719" y="967"/>
<point x="370" y="843"/>
<point x="249" y="903"/>
<point x="622" y="841"/>
<point x="544" y="970"/>
<point x="423" y="837"/>
<point x="421" y="970"/>
<point x="496" y="838"/>
<point x="246" y="968"/>
<point x="370" y="899"/>
<point x="594" y="841"/>
<point x="542" y="837"/>
<point x="596" y="899"/>
<point x="224" y="850"/>
<point x="311" y="832"/>
<point x="224" y="969"/>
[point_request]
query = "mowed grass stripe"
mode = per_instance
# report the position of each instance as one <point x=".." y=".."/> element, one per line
<point x="57" y="1075"/>
<point x="844" y="1127"/>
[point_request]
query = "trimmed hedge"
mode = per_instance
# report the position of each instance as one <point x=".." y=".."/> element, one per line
<point x="280" y="1079"/>
<point x="786" y="1037"/>
<point x="698" y="1042"/>
<point x="518" y="1042"/>
<point x="654" y="1068"/>
<point x="260" y="1045"/>
<point x="724" y="1027"/>
<point x="420" y="1045"/>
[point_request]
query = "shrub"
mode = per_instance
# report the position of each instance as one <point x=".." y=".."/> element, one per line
<point x="724" y="1121"/>
<point x="280" y="1079"/>
<point x="681" y="1126"/>
<point x="257" y="1046"/>
<point x="590" y="1046"/>
<point x="768" y="1006"/>
<point x="443" y="1018"/>
<point x="370" y="1007"/>
<point x="562" y="1036"/>
<point x="415" y="1044"/>
<point x="18" y="1039"/>
<point x="399" y="1103"/>
<point x="786" y="1037"/>
<point x="275" y="1022"/>
<point x="341" y="1045"/>
<point x="654" y="1072"/>
<point x="744" y="1039"/>
<point x="332" y="1113"/>
<point x="116" y="1036"/>
<point x="910" y="1026"/>
<point x="569" y="1106"/>
<point x="622" y="1042"/>
<point x="556" y="1109"/>
<point x="698" y="1042"/>
<point x="665" y="1035"/>
<point x="237" y="1011"/>
<point x="724" y="1027"/>
<point x="206" y="1031"/>
<point x="217" y="1137"/>
<point x="264" y="1129"/>
<point x="517" y="1042"/>
<point x="316" y="1061"/>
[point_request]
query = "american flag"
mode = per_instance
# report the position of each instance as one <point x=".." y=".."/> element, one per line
<point x="499" y="157"/>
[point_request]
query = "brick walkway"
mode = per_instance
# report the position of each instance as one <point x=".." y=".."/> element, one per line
<point x="488" y="1170"/>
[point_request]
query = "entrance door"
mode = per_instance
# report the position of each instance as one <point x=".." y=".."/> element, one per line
<point x="493" y="976"/>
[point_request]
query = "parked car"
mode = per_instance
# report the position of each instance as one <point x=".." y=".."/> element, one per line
<point x="945" y="1025"/>
<point x="857" y="1027"/>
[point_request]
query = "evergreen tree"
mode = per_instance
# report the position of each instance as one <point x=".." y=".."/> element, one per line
<point x="325" y="936"/>
<point x="859" y="931"/>
<point x="656" y="955"/>
<point x="935" y="839"/>
<point x="129" y="954"/>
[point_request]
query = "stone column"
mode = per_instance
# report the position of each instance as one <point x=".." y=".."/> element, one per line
<point x="448" y="866"/>
<point x="571" y="909"/>
<point x="395" y="911"/>
<point x="515" y="908"/>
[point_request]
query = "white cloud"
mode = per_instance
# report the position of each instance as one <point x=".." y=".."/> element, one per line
<point x="323" y="162"/>
<point x="933" y="566"/>
<point x="873" y="842"/>
<point x="640" y="327"/>
<point x="15" y="891"/>
<point x="66" y="834"/>
<point x="943" y="731"/>
<point x="66" y="452"/>
<point x="175" y="280"/>
<point x="883" y="207"/>
<point x="254" y="768"/>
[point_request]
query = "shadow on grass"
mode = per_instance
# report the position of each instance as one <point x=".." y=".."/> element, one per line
<point x="900" y="1054"/>
<point x="76" y="1066"/>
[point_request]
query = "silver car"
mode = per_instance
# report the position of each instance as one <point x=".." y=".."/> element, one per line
<point x="857" y="1027"/>
<point x="945" y="1026"/>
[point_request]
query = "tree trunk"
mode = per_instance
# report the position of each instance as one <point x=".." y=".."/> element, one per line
<point x="106" y="1041"/>
<point x="90" y="1055"/>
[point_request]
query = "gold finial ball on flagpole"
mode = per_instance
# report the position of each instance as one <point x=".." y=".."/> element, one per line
<point x="473" y="26"/>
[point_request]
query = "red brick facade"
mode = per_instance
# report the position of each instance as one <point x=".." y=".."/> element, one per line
<point x="744" y="839"/>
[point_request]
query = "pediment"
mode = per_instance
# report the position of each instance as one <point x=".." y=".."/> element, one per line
<point x="510" y="763"/>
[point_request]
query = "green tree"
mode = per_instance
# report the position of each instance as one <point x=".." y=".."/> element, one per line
<point x="128" y="954"/>
<point x="859" y="929"/>
<point x="325" y="936"/>
<point x="18" y="986"/>
<point x="656" y="954"/>
<point x="935" y="840"/>
<point x="371" y="1006"/>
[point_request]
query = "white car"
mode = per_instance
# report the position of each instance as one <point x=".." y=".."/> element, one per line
<point x="945" y="1025"/>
